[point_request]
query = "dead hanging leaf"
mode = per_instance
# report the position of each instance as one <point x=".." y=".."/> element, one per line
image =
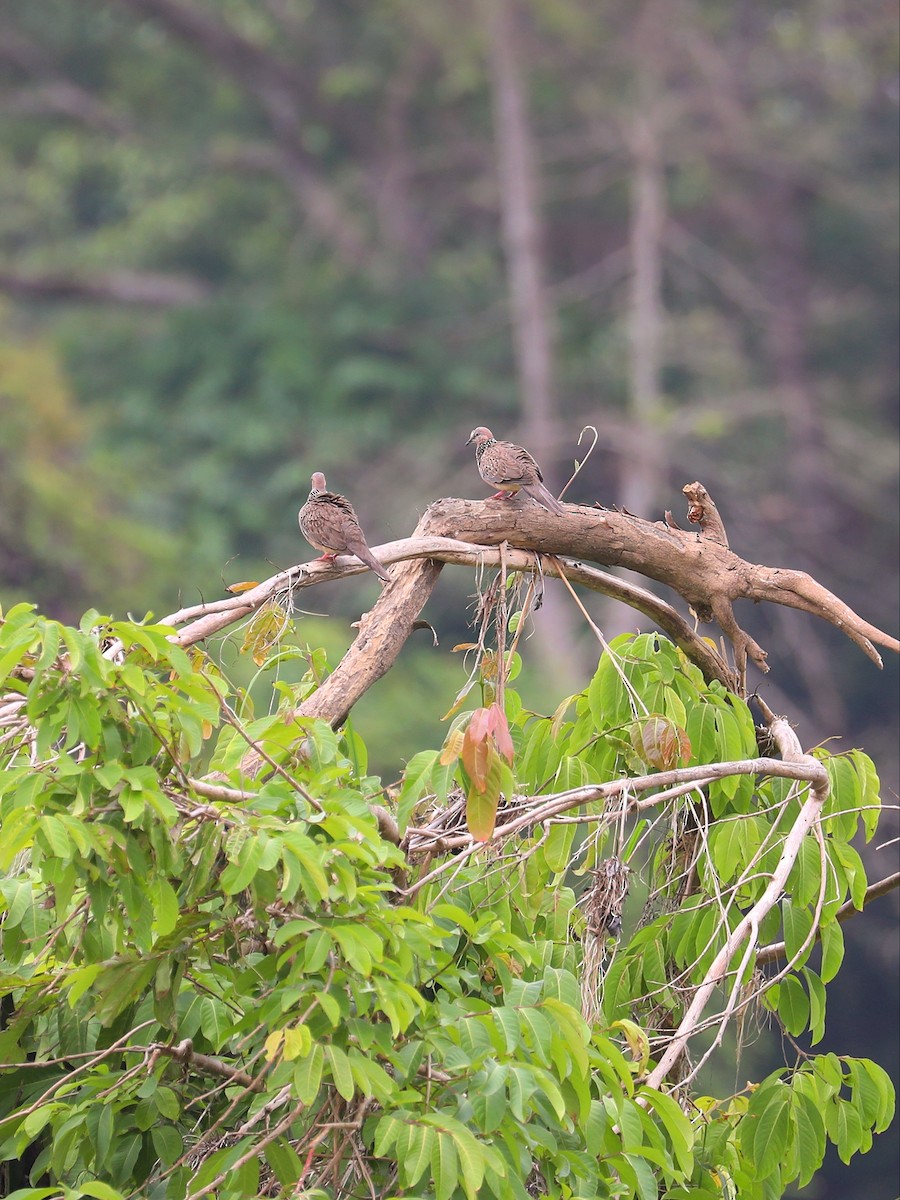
<point x="638" y="1042"/>
<point x="242" y="587"/>
<point x="452" y="748"/>
<point x="660" y="743"/>
<point x="264" y="631"/>
<point x="417" y="625"/>
<point x="464" y="646"/>
<point x="559" y="716"/>
<point x="489" y="665"/>
<point x="458" y="702"/>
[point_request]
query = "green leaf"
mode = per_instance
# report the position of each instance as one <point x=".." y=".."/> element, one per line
<point x="444" y="1166"/>
<point x="507" y="1022"/>
<point x="608" y="697"/>
<point x="285" y="1162"/>
<point x="854" y="870"/>
<point x="418" y="1157"/>
<point x="702" y="733"/>
<point x="16" y="832"/>
<point x="631" y="1130"/>
<point x="729" y="847"/>
<point x="845" y="796"/>
<point x="416" y="780"/>
<point x="558" y="847"/>
<point x="100" y="1190"/>
<point x="810" y="1137"/>
<point x="560" y="984"/>
<point x="867" y="1094"/>
<point x="769" y="1117"/>
<point x="805" y="879"/>
<point x="296" y="1040"/>
<point x="677" y="1126"/>
<point x="15" y="652"/>
<point x="832" y="936"/>
<point x="308" y="1074"/>
<point x="885" y="1090"/>
<point x="846" y="1129"/>
<point x="386" y="1131"/>
<point x="540" y="1031"/>
<point x="797" y="929"/>
<point x="573" y="1029"/>
<point x="80" y="980"/>
<point x="645" y="1180"/>
<point x="215" y="1021"/>
<point x="471" y="1160"/>
<point x="167" y="1143"/>
<point x="165" y="905"/>
<point x="816" y="1005"/>
<point x="340" y="1071"/>
<point x="238" y="875"/>
<point x="793" y="1005"/>
<point x="870" y="799"/>
<point x="120" y="984"/>
<point x="828" y="1069"/>
<point x="33" y="1193"/>
<point x="54" y="832"/>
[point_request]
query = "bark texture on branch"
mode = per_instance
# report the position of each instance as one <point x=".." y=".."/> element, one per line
<point x="705" y="573"/>
<point x="708" y="575"/>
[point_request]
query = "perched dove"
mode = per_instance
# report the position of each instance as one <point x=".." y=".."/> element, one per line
<point x="509" y="467"/>
<point x="328" y="522"/>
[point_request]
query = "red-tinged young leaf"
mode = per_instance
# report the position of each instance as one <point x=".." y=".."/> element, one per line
<point x="660" y="743"/>
<point x="481" y="804"/>
<point x="500" y="729"/>
<point x="477" y="750"/>
<point x="480" y="723"/>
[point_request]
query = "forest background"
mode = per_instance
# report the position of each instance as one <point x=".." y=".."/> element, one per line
<point x="248" y="239"/>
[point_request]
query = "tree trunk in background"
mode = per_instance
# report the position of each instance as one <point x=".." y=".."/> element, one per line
<point x="643" y="471"/>
<point x="787" y="336"/>
<point x="808" y="504"/>
<point x="532" y="319"/>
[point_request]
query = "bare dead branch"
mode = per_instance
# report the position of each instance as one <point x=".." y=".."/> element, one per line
<point x="709" y="576"/>
<point x="748" y="926"/>
<point x="62" y="98"/>
<point x="146" y="288"/>
<point x="662" y="785"/>
<point x="703" y="513"/>
<point x="185" y="1054"/>
<point x="777" y="950"/>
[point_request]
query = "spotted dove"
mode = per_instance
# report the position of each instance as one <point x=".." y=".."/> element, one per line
<point x="509" y="467"/>
<point x="328" y="522"/>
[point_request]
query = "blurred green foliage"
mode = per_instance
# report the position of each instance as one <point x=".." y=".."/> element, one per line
<point x="341" y="300"/>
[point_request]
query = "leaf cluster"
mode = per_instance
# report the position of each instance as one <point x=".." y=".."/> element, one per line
<point x="229" y="987"/>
